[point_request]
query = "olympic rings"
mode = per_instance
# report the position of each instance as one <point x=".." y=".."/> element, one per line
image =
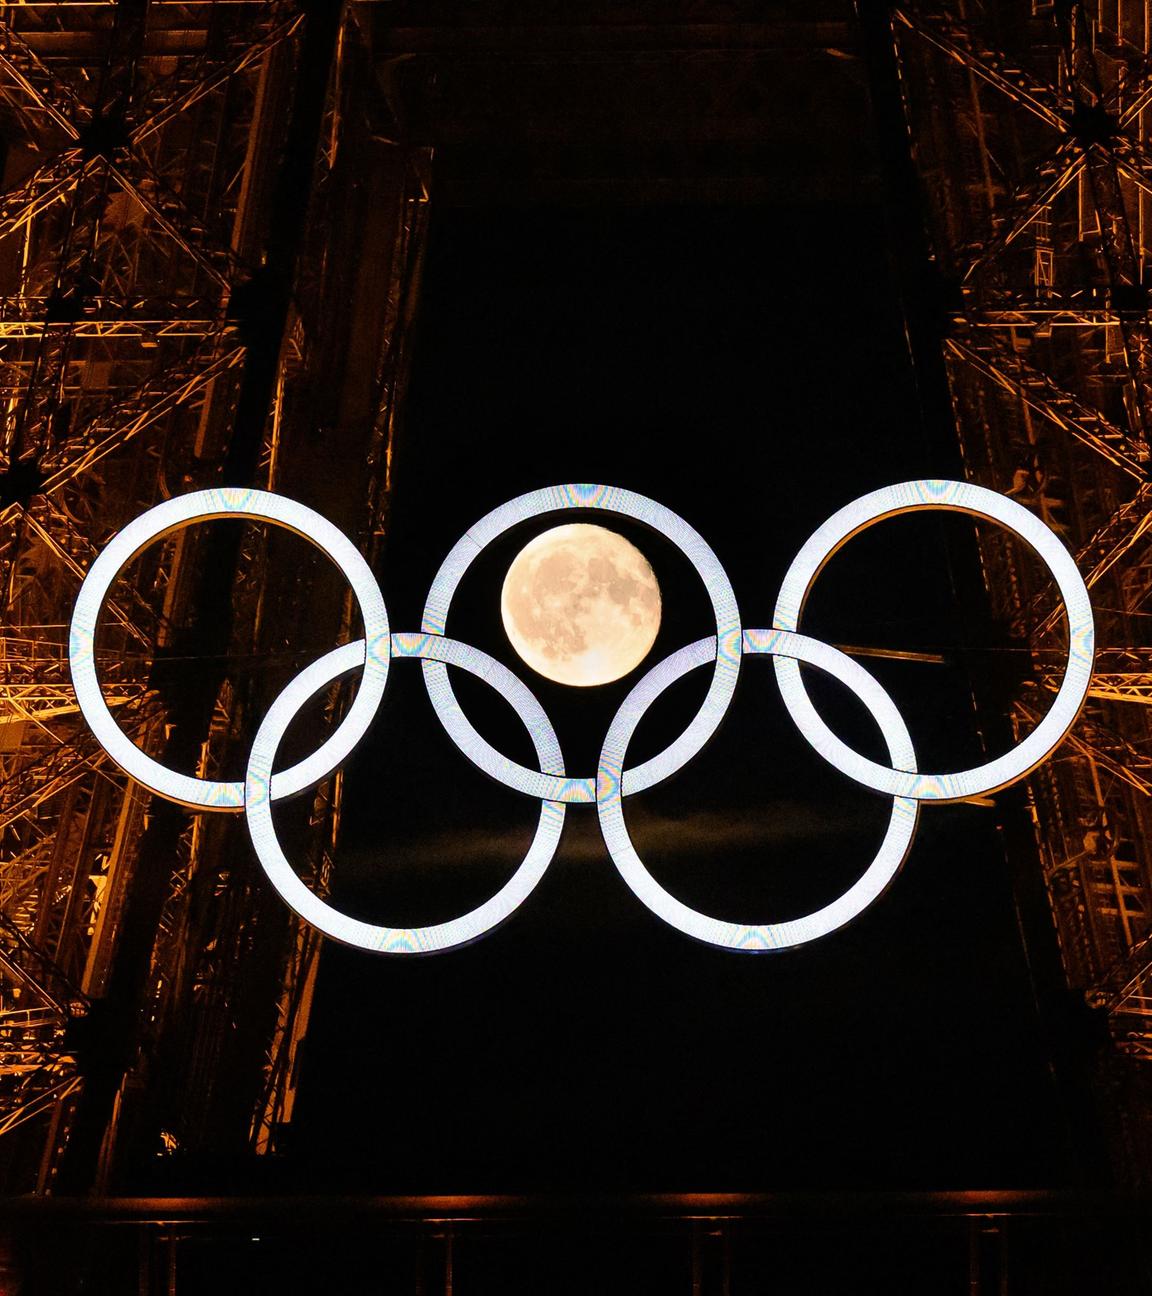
<point x="550" y="784"/>
<point x="397" y="940"/>
<point x="204" y="794"/>
<point x="762" y="936"/>
<point x="962" y="497"/>
<point x="608" y="499"/>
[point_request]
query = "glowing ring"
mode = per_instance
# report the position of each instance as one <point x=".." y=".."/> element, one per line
<point x="608" y="499"/>
<point x="370" y="936"/>
<point x="963" y="497"/>
<point x="207" y="794"/>
<point x="754" y="937"/>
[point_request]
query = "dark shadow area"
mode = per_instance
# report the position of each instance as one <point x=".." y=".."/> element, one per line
<point x="747" y="369"/>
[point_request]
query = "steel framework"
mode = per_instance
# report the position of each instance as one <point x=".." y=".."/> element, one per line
<point x="1029" y="129"/>
<point x="164" y="316"/>
<point x="173" y="177"/>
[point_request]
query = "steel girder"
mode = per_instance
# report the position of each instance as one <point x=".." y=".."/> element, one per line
<point x="1030" y="135"/>
<point x="118" y="265"/>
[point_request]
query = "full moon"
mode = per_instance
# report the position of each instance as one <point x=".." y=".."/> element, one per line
<point x="581" y="605"/>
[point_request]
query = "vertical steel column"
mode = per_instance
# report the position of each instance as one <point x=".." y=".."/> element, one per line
<point x="1044" y="320"/>
<point x="261" y="310"/>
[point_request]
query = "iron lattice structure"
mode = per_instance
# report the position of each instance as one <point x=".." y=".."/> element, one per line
<point x="173" y="175"/>
<point x="1030" y="135"/>
<point x="175" y="178"/>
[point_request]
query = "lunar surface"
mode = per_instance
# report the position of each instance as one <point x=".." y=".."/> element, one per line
<point x="581" y="605"/>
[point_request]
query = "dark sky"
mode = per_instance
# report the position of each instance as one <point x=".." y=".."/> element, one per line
<point x="748" y="369"/>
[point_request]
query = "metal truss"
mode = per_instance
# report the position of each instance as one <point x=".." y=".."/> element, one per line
<point x="985" y="355"/>
<point x="1031" y="138"/>
<point x="130" y="208"/>
<point x="136" y="216"/>
<point x="405" y="191"/>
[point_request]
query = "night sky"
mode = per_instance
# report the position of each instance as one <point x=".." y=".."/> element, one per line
<point x="747" y="368"/>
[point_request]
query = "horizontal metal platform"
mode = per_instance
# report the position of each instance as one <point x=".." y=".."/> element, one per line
<point x="545" y="1208"/>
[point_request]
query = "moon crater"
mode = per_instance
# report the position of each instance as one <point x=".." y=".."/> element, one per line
<point x="581" y="605"/>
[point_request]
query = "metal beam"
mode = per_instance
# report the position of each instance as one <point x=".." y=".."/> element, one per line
<point x="1043" y="396"/>
<point x="964" y="45"/>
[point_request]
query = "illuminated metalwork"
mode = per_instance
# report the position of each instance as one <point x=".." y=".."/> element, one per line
<point x="158" y="333"/>
<point x="1031" y="142"/>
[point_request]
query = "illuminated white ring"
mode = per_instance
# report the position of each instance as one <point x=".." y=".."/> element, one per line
<point x="608" y="499"/>
<point x="206" y="794"/>
<point x="908" y="497"/>
<point x="371" y="936"/>
<point x="755" y="937"/>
